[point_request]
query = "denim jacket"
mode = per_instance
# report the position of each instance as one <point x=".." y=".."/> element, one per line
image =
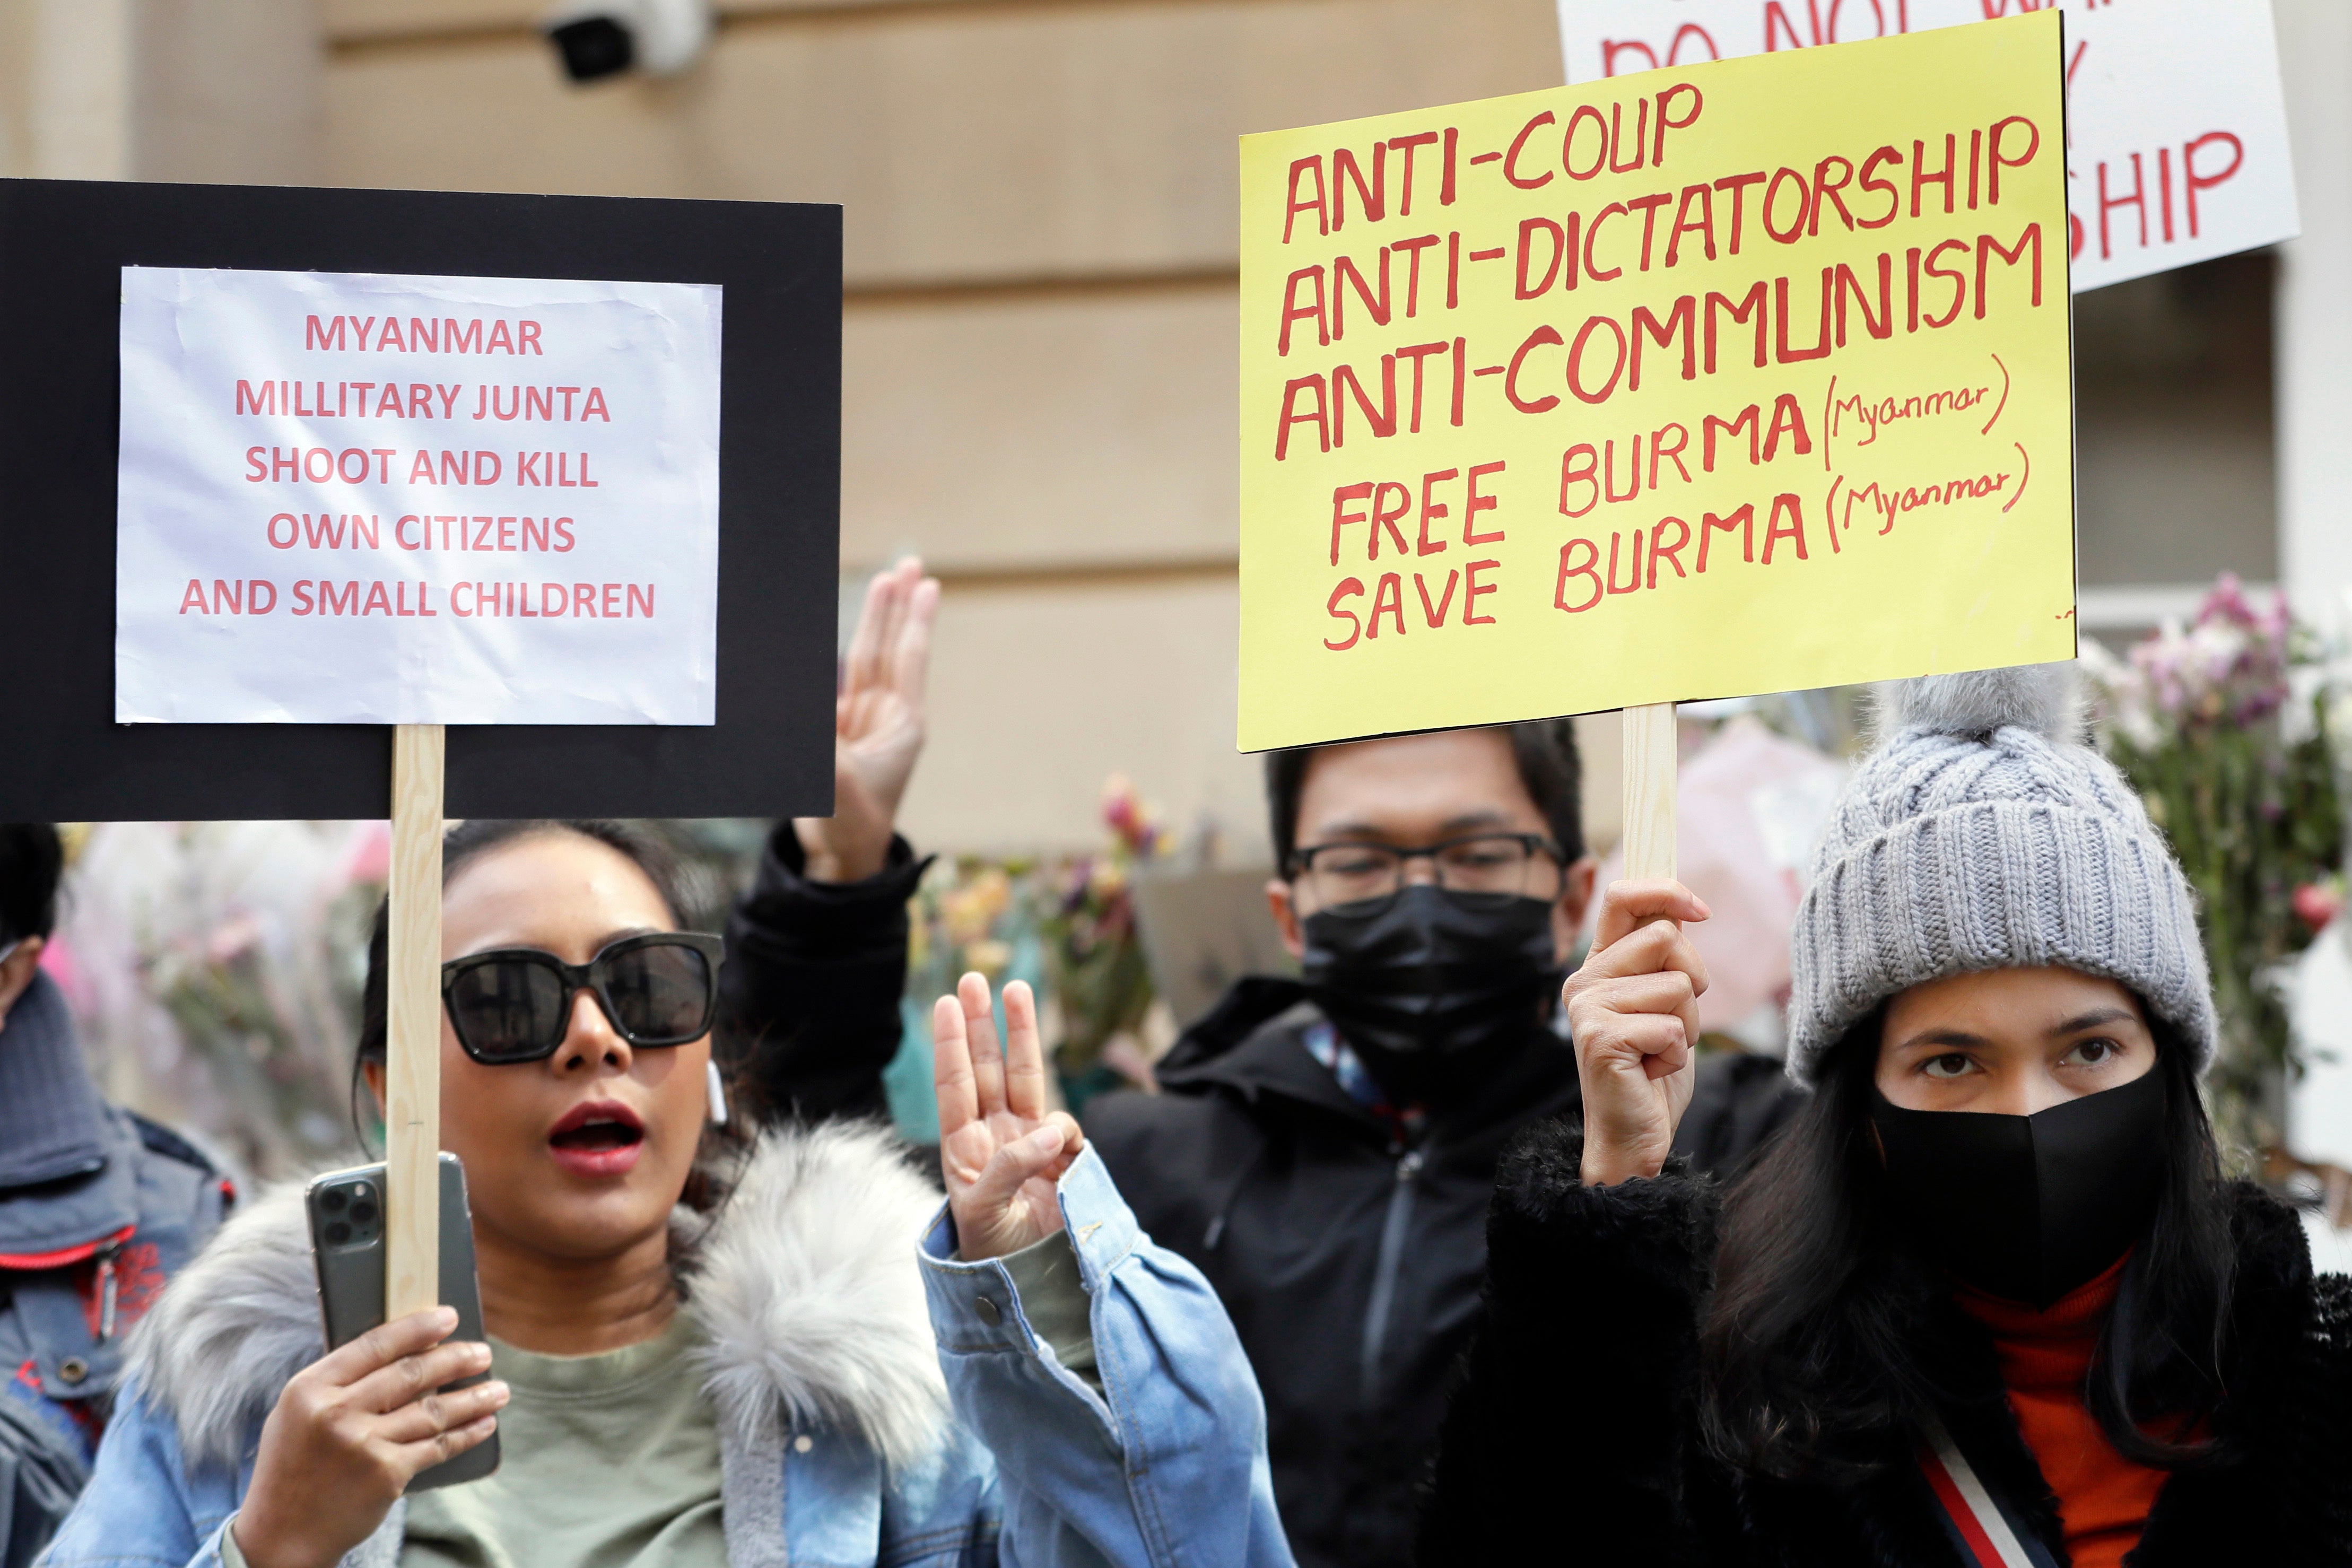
<point x="873" y="1407"/>
<point x="98" y="1208"/>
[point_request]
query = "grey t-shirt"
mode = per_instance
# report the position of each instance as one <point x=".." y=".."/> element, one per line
<point x="606" y="1461"/>
<point x="612" y="1460"/>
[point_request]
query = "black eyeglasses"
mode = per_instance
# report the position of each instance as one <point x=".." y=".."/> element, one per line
<point x="513" y="1005"/>
<point x="1497" y="863"/>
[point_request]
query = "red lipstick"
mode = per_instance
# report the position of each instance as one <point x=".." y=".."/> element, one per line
<point x="598" y="1138"/>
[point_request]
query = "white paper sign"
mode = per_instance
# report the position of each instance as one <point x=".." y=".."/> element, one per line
<point x="2176" y="148"/>
<point x="359" y="498"/>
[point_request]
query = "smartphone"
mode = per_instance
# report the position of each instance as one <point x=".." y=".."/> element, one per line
<point x="346" y="1209"/>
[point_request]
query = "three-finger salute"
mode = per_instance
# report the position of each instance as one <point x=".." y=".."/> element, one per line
<point x="1002" y="1152"/>
<point x="877" y="726"/>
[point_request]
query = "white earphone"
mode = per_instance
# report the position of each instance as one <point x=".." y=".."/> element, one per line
<point x="717" y="1092"/>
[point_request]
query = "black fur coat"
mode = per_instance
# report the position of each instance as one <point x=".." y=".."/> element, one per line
<point x="1572" y="1437"/>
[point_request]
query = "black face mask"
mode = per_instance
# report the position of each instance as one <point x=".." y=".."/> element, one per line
<point x="1429" y="988"/>
<point x="2028" y="1208"/>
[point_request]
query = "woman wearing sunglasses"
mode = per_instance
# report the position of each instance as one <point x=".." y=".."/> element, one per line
<point x="707" y="1347"/>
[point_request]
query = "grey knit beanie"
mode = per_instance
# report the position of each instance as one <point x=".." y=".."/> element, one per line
<point x="1980" y="834"/>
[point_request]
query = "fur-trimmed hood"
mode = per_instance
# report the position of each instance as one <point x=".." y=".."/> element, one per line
<point x="804" y="1284"/>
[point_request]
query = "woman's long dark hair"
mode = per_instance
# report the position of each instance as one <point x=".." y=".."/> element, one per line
<point x="1812" y="1345"/>
<point x="722" y="1148"/>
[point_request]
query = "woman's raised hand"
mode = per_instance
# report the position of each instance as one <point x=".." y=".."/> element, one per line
<point x="350" y="1429"/>
<point x="877" y="726"/>
<point x="1001" y="1150"/>
<point x="1633" y="1012"/>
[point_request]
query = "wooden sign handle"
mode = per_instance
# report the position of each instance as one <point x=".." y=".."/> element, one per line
<point x="413" y="1017"/>
<point x="1650" y="758"/>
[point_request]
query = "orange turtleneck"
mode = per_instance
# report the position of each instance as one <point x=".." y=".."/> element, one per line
<point x="2103" y="1498"/>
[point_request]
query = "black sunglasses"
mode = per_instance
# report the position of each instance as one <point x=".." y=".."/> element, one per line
<point x="514" y="1003"/>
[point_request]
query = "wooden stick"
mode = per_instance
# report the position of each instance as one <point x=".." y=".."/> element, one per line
<point x="1650" y="761"/>
<point x="413" y="1016"/>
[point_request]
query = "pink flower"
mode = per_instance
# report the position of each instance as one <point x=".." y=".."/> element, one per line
<point x="1125" y="815"/>
<point x="59" y="963"/>
<point x="233" y="938"/>
<point x="2316" y="903"/>
<point x="2230" y="666"/>
<point x="368" y="858"/>
<point x="2226" y="602"/>
<point x="1120" y="809"/>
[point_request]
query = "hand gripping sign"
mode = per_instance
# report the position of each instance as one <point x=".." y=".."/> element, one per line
<point x="299" y="477"/>
<point x="2177" y="142"/>
<point x="1745" y="377"/>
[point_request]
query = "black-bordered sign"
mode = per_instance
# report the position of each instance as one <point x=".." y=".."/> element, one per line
<point x="65" y="247"/>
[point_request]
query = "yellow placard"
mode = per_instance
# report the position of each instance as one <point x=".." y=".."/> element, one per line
<point x="1740" y="377"/>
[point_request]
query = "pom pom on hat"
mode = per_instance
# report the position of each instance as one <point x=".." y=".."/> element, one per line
<point x="2041" y="698"/>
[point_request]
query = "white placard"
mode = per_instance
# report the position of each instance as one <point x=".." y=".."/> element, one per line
<point x="2176" y="148"/>
<point x="362" y="497"/>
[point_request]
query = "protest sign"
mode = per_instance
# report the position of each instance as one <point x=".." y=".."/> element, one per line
<point x="1743" y="378"/>
<point x="375" y="499"/>
<point x="762" y="742"/>
<point x="691" y="668"/>
<point x="2177" y="146"/>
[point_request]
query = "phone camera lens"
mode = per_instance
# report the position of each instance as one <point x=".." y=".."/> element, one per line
<point x="363" y="1212"/>
<point x="333" y="1200"/>
<point x="338" y="1234"/>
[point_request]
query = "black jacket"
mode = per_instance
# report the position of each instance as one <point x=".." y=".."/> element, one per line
<point x="1350" y="1263"/>
<point x="809" y="992"/>
<point x="1572" y="1437"/>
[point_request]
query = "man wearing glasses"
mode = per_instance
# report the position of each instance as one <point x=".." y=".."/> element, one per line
<point x="1325" y="1147"/>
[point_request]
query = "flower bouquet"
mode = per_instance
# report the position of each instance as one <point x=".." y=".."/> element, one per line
<point x="1100" y="978"/>
<point x="2239" y="773"/>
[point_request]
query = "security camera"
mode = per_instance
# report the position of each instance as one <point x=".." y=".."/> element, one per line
<point x="598" y="38"/>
